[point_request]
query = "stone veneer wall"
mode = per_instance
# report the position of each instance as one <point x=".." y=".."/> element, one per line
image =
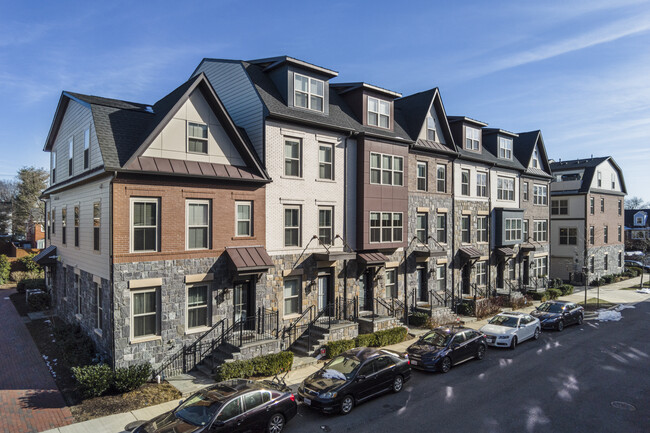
<point x="599" y="260"/>
<point x="484" y="248"/>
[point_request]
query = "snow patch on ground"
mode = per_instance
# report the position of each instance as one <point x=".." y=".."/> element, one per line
<point x="609" y="316"/>
<point x="623" y="307"/>
<point x="644" y="291"/>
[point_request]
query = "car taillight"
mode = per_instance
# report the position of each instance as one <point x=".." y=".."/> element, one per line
<point x="408" y="361"/>
<point x="292" y="397"/>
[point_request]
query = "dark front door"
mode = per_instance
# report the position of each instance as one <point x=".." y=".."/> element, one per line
<point x="423" y="284"/>
<point x="500" y="270"/>
<point x="526" y="265"/>
<point x="244" y="303"/>
<point x="366" y="289"/>
<point x="467" y="270"/>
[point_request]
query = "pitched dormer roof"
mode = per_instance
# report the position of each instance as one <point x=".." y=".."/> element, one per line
<point x="270" y="63"/>
<point x="348" y="87"/>
<point x="588" y="165"/>
<point x="524" y="145"/>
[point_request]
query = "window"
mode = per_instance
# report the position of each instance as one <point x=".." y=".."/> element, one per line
<point x="539" y="266"/>
<point x="198" y="224"/>
<point x="77" y="290"/>
<point x="197" y="307"/>
<point x="86" y="148"/>
<point x="512" y="275"/>
<point x="602" y="204"/>
<point x="421" y="227"/>
<point x="525" y="191"/>
<point x="385" y="227"/>
<point x="292" y="295"/>
<point x="70" y="154"/>
<point x="464" y="182"/>
<point x="441" y="228"/>
<point x="481" y="184"/>
<point x="386" y="169"/>
<point x="592" y="264"/>
<point x="441" y="278"/>
<point x="65" y="282"/>
<point x="620" y="259"/>
<point x="637" y="235"/>
<point x="49" y="224"/>
<point x="431" y="129"/>
<point x="422" y="176"/>
<point x="292" y="158"/>
<point x="540" y="228"/>
<point x="620" y="234"/>
<point x="591" y="205"/>
<point x="231" y="410"/>
<point x="568" y="236"/>
<point x="481" y="273"/>
<point x="606" y="262"/>
<point x="197" y="138"/>
<point x="325" y="162"/>
<point x="471" y="138"/>
<point x="605" y="234"/>
<point x="613" y="181"/>
<point x="559" y="207"/>
<point x="53" y="220"/>
<point x="513" y="229"/>
<point x="144" y="313"/>
<point x="53" y="164"/>
<point x="391" y="283"/>
<point x="481" y="229"/>
<point x="441" y="178"/>
<point x="505" y="188"/>
<point x="244" y="218"/>
<point x="144" y="224"/>
<point x="64" y="223"/>
<point x="505" y="148"/>
<point x="378" y="112"/>
<point x="465" y="235"/>
<point x="592" y="235"/>
<point x="292" y="226"/>
<point x="620" y="207"/>
<point x="524" y="230"/>
<point x="308" y="92"/>
<point x="76" y="226"/>
<point x="600" y="179"/>
<point x="97" y="224"/>
<point x="540" y="195"/>
<point x="99" y="309"/>
<point x="325" y="229"/>
<point x="536" y="158"/>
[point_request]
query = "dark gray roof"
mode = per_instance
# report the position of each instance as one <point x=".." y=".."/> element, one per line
<point x="273" y="62"/>
<point x="524" y="145"/>
<point x="589" y="166"/>
<point x="452" y="119"/>
<point x="629" y="218"/>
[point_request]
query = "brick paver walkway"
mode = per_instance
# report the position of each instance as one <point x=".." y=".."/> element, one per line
<point x="29" y="398"/>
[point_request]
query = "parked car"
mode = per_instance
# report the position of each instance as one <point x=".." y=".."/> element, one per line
<point x="510" y="329"/>
<point x="353" y="377"/>
<point x="236" y="405"/>
<point x="558" y="314"/>
<point x="442" y="348"/>
<point x="637" y="264"/>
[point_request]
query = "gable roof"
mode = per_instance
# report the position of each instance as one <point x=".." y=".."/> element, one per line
<point x="589" y="166"/>
<point x="524" y="145"/>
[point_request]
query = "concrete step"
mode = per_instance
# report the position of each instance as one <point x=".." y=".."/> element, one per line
<point x="302" y="362"/>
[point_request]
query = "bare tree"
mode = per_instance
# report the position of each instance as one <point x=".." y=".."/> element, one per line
<point x="635" y="203"/>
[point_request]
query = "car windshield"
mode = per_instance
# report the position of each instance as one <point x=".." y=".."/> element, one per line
<point x="340" y="367"/>
<point x="550" y="307"/>
<point x="199" y="409"/>
<point x="503" y="320"/>
<point x="434" y="338"/>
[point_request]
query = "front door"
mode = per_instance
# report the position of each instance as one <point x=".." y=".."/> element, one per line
<point x="324" y="283"/>
<point x="244" y="308"/>
<point x="500" y="270"/>
<point x="467" y="270"/>
<point x="365" y="290"/>
<point x="423" y="286"/>
<point x="526" y="276"/>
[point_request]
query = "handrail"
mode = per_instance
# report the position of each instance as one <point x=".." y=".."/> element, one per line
<point x="435" y="295"/>
<point x="292" y="328"/>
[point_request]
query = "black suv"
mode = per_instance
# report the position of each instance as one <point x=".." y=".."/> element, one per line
<point x="440" y="349"/>
<point x="352" y="377"/>
<point x="558" y="314"/>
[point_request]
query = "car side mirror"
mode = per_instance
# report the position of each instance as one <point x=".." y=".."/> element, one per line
<point x="218" y="423"/>
<point x="361" y="377"/>
<point x="455" y="346"/>
<point x="180" y="402"/>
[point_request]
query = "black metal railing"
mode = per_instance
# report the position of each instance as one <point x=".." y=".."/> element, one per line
<point x="298" y="327"/>
<point x="347" y="309"/>
<point x="261" y="326"/>
<point x="325" y="317"/>
<point x="440" y="299"/>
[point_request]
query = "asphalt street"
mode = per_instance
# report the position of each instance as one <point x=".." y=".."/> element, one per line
<point x="589" y="378"/>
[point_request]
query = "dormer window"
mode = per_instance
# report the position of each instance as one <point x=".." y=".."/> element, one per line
<point x="197" y="138"/>
<point x="535" y="158"/>
<point x="431" y="129"/>
<point x="600" y="179"/>
<point x="378" y="113"/>
<point x="308" y="92"/>
<point x="505" y="148"/>
<point x="613" y="181"/>
<point x="471" y="138"/>
<point x="70" y="153"/>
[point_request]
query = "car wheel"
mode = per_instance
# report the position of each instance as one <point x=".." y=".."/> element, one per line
<point x="347" y="404"/>
<point x="398" y="383"/>
<point x="581" y="318"/>
<point x="560" y="325"/>
<point x="445" y="364"/>
<point x="480" y="352"/>
<point x="536" y="334"/>
<point x="513" y="343"/>
<point x="276" y="423"/>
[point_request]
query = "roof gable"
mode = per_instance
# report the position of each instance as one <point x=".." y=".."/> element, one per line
<point x="524" y="149"/>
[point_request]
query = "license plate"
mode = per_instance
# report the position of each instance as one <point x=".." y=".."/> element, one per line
<point x="414" y="362"/>
<point x="307" y="401"/>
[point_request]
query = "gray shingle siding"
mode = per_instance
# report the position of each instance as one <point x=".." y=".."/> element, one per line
<point x="238" y="94"/>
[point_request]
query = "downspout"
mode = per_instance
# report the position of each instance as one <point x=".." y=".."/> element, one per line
<point x="345" y="222"/>
<point x="110" y="265"/>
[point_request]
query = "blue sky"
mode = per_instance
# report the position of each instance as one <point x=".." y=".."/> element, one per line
<point x="577" y="70"/>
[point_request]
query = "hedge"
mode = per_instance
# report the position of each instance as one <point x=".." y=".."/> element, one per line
<point x="93" y="380"/>
<point x="265" y="365"/>
<point x="39" y="301"/>
<point x="5" y="268"/>
<point x="29" y="264"/>
<point x="129" y="378"/>
<point x="418" y="318"/>
<point x="566" y="289"/>
<point x="30" y="284"/>
<point x="553" y="293"/>
<point x="377" y="339"/>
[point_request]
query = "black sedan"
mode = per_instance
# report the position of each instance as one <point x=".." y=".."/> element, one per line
<point x="353" y="377"/>
<point x="558" y="314"/>
<point x="440" y="349"/>
<point x="236" y="405"/>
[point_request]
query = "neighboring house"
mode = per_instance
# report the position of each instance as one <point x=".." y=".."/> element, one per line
<point x="35" y="234"/>
<point x="586" y="218"/>
<point x="637" y="227"/>
<point x="157" y="215"/>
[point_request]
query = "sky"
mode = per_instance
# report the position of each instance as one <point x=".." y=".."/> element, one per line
<point x="577" y="70"/>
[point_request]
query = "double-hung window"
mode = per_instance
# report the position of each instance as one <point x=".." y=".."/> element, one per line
<point x="591" y="205"/>
<point x="53" y="164"/>
<point x="144" y="224"/>
<point x="540" y="195"/>
<point x="292" y="295"/>
<point x="620" y="207"/>
<point x="292" y="157"/>
<point x="325" y="162"/>
<point x="620" y="234"/>
<point x="325" y="225"/>
<point x="145" y="313"/>
<point x="244" y="218"/>
<point x="600" y="179"/>
<point x="513" y="229"/>
<point x="441" y="228"/>
<point x="86" y="148"/>
<point x="540" y="229"/>
<point x="606" y="234"/>
<point x="422" y="176"/>
<point x="197" y="137"/>
<point x="613" y="181"/>
<point x="481" y="184"/>
<point x="592" y="235"/>
<point x="292" y="226"/>
<point x="481" y="273"/>
<point x="465" y="235"/>
<point x="97" y="224"/>
<point x="482" y="229"/>
<point x="592" y="264"/>
<point x="308" y="92"/>
<point x="386" y="169"/>
<point x="421" y="227"/>
<point x="99" y="308"/>
<point x="431" y="128"/>
<point x="198" y="307"/>
<point x="378" y="112"/>
<point x="505" y="148"/>
<point x="524" y="189"/>
<point x="471" y="138"/>
<point x="76" y="226"/>
<point x="64" y="223"/>
<point x="524" y="230"/>
<point x="386" y="227"/>
<point x="602" y="204"/>
<point x="568" y="236"/>
<point x="559" y="207"/>
<point x="198" y="224"/>
<point x="70" y="155"/>
<point x="49" y="224"/>
<point x="512" y="274"/>
<point x="391" y="283"/>
<point x="464" y="182"/>
<point x="441" y="278"/>
<point x="53" y="220"/>
<point x="505" y="188"/>
<point x="441" y="178"/>
<point x="606" y="262"/>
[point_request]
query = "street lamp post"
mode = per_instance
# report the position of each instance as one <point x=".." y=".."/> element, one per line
<point x="585" y="271"/>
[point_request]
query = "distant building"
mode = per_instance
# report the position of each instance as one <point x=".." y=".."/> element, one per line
<point x="637" y="226"/>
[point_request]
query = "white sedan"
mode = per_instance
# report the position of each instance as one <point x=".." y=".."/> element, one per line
<point x="510" y="329"/>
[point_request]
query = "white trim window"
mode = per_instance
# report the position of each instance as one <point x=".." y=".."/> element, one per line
<point x="64" y="224"/>
<point x="145" y="320"/>
<point x="243" y="218"/>
<point x="54" y="221"/>
<point x="540" y="195"/>
<point x="386" y="169"/>
<point x="512" y="274"/>
<point x="481" y="184"/>
<point x="53" y="165"/>
<point x="391" y="283"/>
<point x="513" y="229"/>
<point x="505" y="148"/>
<point x="431" y="128"/>
<point x="524" y="191"/>
<point x="471" y="138"/>
<point x="539" y="266"/>
<point x="600" y="179"/>
<point x="481" y="273"/>
<point x="144" y="224"/>
<point x="198" y="224"/>
<point x="70" y="156"/>
<point x="99" y="309"/>
<point x="568" y="236"/>
<point x="198" y="306"/>
<point x="465" y="229"/>
<point x="620" y="234"/>
<point x="291" y="294"/>
<point x="292" y="157"/>
<point x="325" y="224"/>
<point x="524" y="230"/>
<point x="421" y="227"/>
<point x="535" y="160"/>
<point x="540" y="230"/>
<point x="441" y="278"/>
<point x="559" y="207"/>
<point x="613" y="177"/>
<point x="441" y="178"/>
<point x="86" y="148"/>
<point x="441" y="227"/>
<point x="97" y="224"/>
<point x="386" y="227"/>
<point x="378" y="112"/>
<point x="422" y="176"/>
<point x="606" y="234"/>
<point x="292" y="226"/>
<point x="76" y="222"/>
<point x="464" y="182"/>
<point x="481" y="229"/>
<point x="325" y="161"/>
<point x="505" y="188"/>
<point x="197" y="138"/>
<point x="308" y="92"/>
